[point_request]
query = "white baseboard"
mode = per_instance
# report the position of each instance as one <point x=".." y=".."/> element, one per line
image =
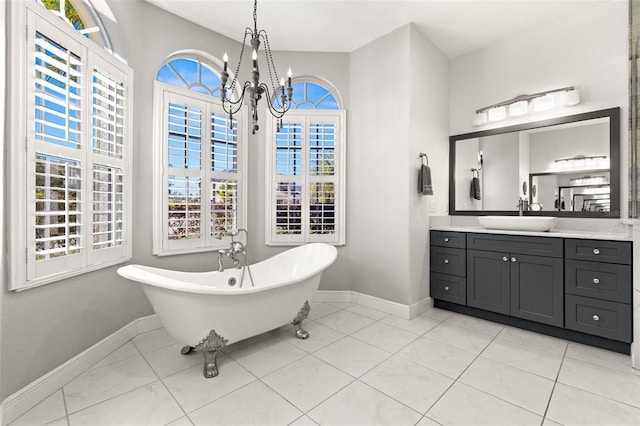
<point x="373" y="302"/>
<point x="28" y="397"/>
<point x="342" y="296"/>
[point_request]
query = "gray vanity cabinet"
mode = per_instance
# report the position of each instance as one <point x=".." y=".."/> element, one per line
<point x="598" y="288"/>
<point x="515" y="283"/>
<point x="488" y="281"/>
<point x="576" y="289"/>
<point x="536" y="289"/>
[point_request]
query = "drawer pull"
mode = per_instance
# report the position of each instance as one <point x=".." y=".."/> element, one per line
<point x="596" y="281"/>
<point x="446" y="261"/>
<point x="446" y="288"/>
<point x="596" y="251"/>
<point x="513" y="259"/>
<point x="505" y="258"/>
<point x="446" y="240"/>
<point x="596" y="318"/>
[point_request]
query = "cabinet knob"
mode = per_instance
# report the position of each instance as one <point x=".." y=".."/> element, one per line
<point x="505" y="258"/>
<point x="446" y="240"/>
<point x="596" y="251"/>
<point x="596" y="281"/>
<point x="446" y="261"/>
<point x="446" y="288"/>
<point x="513" y="259"/>
<point x="596" y="318"/>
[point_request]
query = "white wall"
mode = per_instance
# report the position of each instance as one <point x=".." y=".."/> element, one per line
<point x="588" y="50"/>
<point x="3" y="257"/>
<point x="500" y="177"/>
<point x="428" y="133"/>
<point x="377" y="168"/>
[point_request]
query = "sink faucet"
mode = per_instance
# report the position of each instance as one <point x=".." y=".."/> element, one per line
<point x="520" y="206"/>
<point x="236" y="248"/>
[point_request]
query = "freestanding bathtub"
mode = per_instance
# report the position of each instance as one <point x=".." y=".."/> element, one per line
<point x="203" y="311"/>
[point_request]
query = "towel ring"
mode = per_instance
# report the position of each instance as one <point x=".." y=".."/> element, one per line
<point x="424" y="156"/>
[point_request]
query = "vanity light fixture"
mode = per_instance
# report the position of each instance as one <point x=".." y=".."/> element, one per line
<point x="582" y="161"/>
<point x="588" y="180"/>
<point x="524" y="104"/>
<point x="279" y="104"/>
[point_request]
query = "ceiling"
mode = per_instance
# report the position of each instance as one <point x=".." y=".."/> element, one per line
<point x="456" y="27"/>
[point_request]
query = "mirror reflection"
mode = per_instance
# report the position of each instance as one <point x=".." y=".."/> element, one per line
<point x="564" y="167"/>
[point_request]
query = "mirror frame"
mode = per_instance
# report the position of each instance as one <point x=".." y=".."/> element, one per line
<point x="614" y="164"/>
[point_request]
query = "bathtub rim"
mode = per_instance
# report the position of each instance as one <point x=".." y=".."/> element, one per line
<point x="145" y="275"/>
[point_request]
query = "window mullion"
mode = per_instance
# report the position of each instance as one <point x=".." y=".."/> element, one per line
<point x="306" y="214"/>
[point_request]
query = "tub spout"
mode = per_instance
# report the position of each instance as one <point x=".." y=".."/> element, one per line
<point x="221" y="253"/>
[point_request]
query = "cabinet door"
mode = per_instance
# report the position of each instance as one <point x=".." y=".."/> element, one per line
<point x="488" y="280"/>
<point x="537" y="289"/>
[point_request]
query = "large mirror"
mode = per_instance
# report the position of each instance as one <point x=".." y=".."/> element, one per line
<point x="567" y="166"/>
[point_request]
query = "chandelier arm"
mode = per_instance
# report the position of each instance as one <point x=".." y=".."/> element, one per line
<point x="232" y="104"/>
<point x="274" y="111"/>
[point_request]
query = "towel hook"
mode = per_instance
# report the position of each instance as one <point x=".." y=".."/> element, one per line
<point x="423" y="156"/>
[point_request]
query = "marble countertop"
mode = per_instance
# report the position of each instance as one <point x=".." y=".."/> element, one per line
<point x="556" y="233"/>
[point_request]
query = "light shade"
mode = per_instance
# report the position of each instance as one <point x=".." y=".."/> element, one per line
<point x="543" y="103"/>
<point x="479" y="119"/>
<point x="497" y="113"/>
<point x="518" y="108"/>
<point x="571" y="97"/>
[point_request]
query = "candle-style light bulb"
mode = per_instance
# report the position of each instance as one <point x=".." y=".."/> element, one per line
<point x="225" y="59"/>
<point x="282" y="82"/>
<point x="289" y="74"/>
<point x="254" y="56"/>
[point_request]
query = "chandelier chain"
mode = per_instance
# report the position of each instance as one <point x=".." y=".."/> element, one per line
<point x="271" y="66"/>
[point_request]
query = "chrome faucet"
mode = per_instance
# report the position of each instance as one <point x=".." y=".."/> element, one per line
<point x="235" y="249"/>
<point x="520" y="206"/>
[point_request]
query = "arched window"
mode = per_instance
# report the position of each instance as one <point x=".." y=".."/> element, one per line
<point x="201" y="189"/>
<point x="191" y="74"/>
<point x="306" y="169"/>
<point x="72" y="179"/>
<point x="82" y="17"/>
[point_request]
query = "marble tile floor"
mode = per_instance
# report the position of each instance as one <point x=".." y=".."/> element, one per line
<point x="360" y="367"/>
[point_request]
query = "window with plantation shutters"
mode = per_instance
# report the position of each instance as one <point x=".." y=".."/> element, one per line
<point x="71" y="179"/>
<point x="306" y="167"/>
<point x="201" y="190"/>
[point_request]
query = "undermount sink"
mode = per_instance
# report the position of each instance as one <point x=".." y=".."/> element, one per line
<point x="518" y="223"/>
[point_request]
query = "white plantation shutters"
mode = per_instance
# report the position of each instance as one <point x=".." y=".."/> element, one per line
<point x="202" y="189"/>
<point x="306" y="185"/>
<point x="75" y="194"/>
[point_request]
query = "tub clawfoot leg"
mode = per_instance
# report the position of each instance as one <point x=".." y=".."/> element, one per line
<point x="297" y="321"/>
<point x="187" y="349"/>
<point x="210" y="347"/>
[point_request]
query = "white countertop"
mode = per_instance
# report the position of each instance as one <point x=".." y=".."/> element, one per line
<point x="556" y="233"/>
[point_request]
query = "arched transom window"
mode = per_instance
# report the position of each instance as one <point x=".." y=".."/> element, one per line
<point x="191" y="74"/>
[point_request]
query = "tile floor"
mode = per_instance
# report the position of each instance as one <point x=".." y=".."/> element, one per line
<point x="360" y="367"/>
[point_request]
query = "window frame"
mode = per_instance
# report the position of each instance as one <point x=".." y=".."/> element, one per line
<point x="161" y="244"/>
<point x="339" y="238"/>
<point x="25" y="271"/>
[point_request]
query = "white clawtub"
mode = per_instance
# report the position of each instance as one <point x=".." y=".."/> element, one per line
<point x="201" y="309"/>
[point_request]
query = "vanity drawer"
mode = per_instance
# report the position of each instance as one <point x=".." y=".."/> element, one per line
<point x="598" y="251"/>
<point x="449" y="287"/>
<point x="602" y="318"/>
<point x="536" y="246"/>
<point x="448" y="260"/>
<point x="448" y="239"/>
<point x="600" y="280"/>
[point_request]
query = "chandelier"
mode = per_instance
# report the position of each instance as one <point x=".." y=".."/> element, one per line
<point x="254" y="89"/>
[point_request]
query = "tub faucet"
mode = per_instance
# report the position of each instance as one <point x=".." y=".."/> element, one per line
<point x="520" y="206"/>
<point x="235" y="249"/>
